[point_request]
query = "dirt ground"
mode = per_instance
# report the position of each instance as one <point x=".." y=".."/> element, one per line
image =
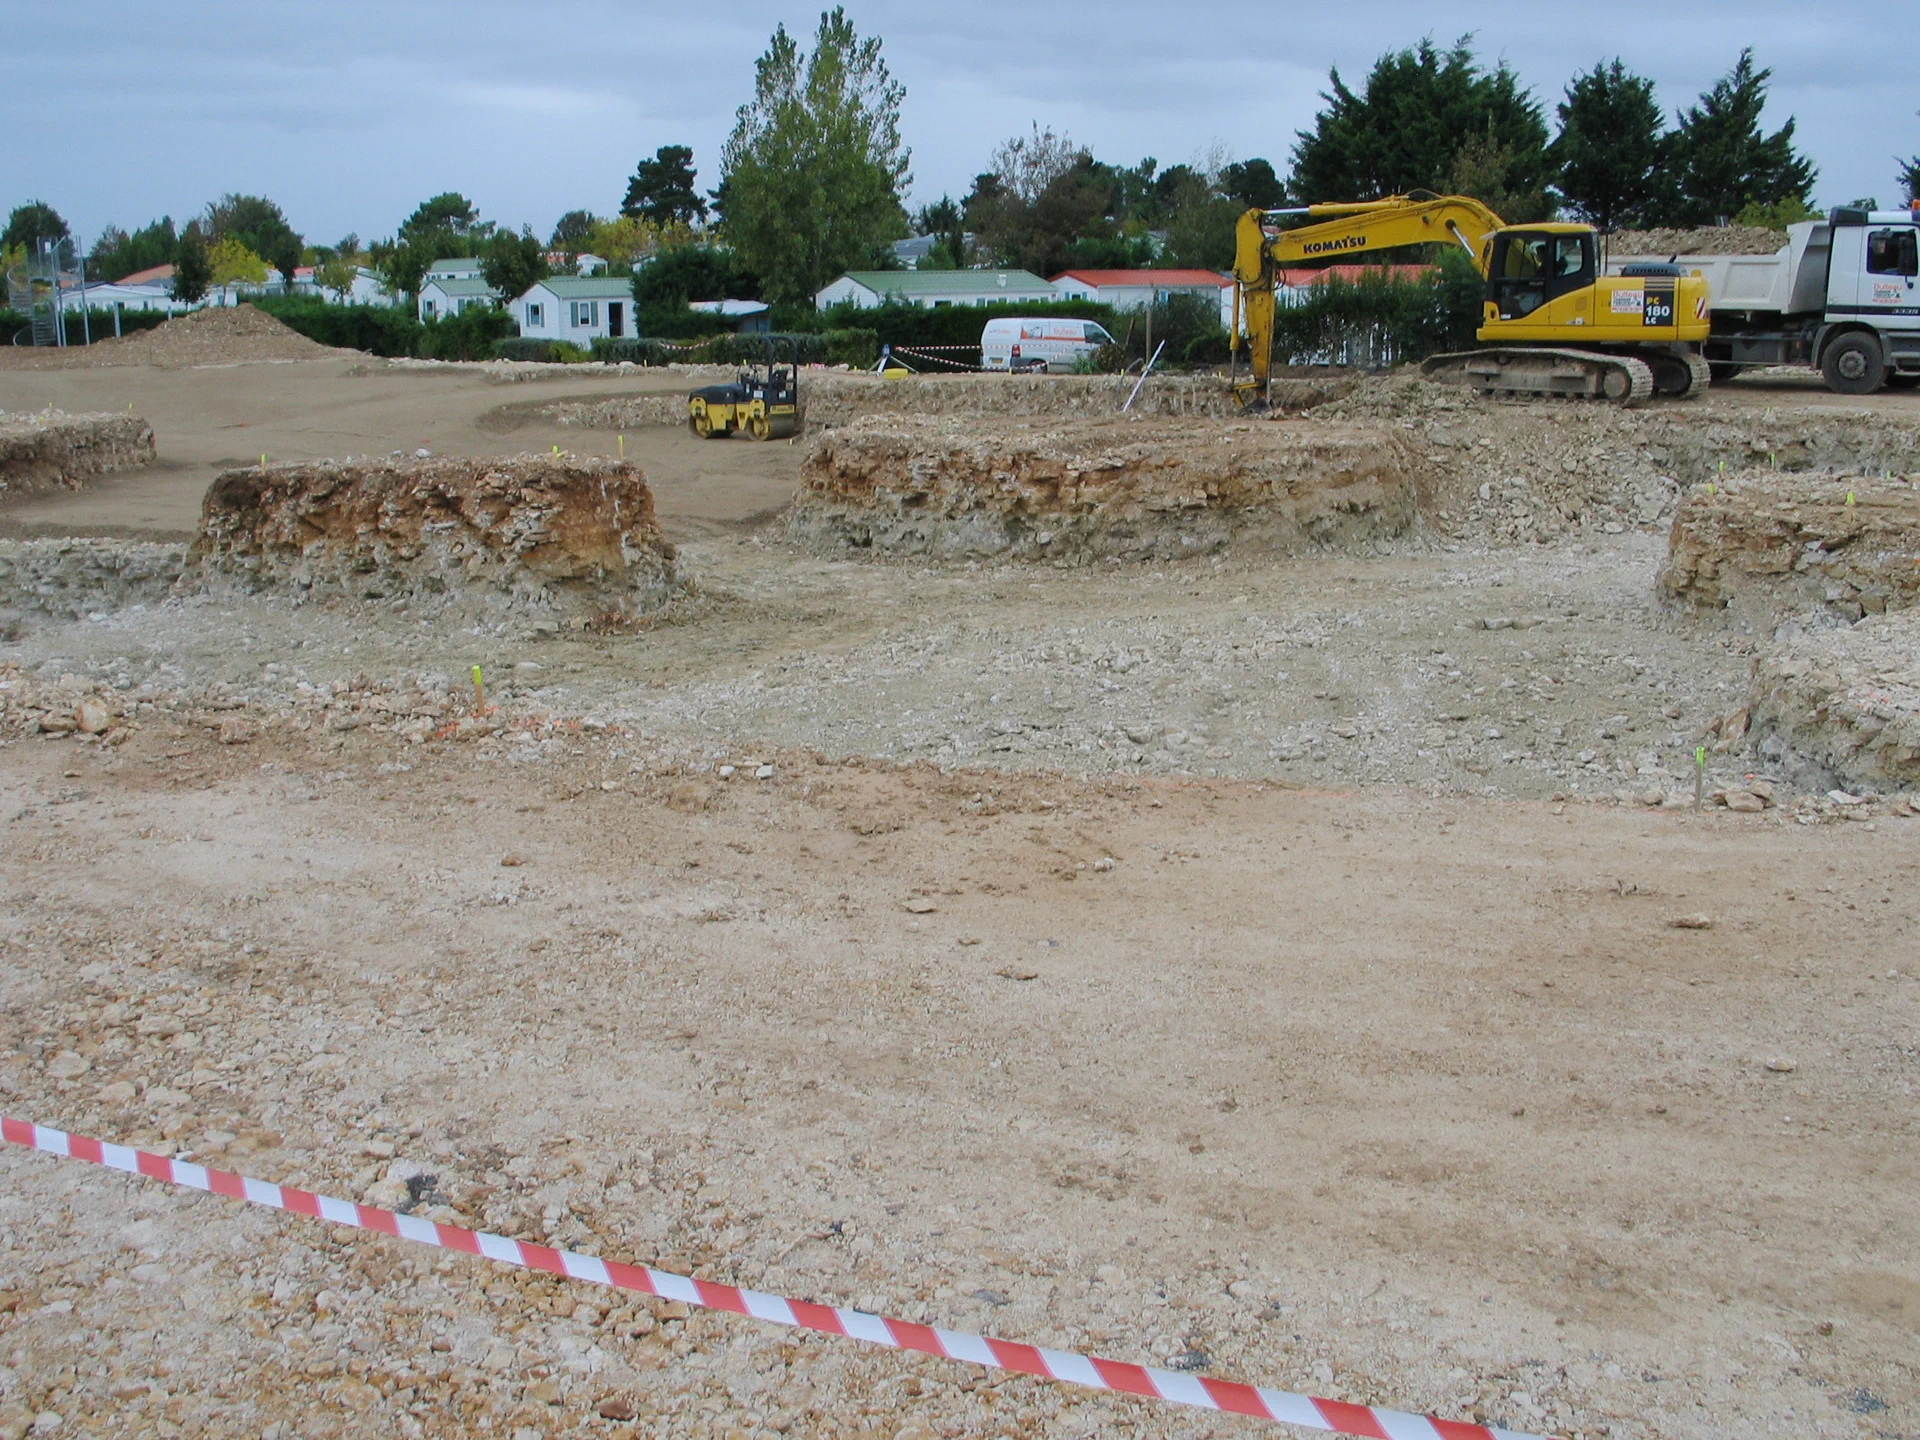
<point x="1234" y="964"/>
<point x="212" y="419"/>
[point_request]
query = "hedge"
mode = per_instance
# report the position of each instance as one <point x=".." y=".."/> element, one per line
<point x="833" y="347"/>
<point x="390" y="330"/>
<point x="916" y="325"/>
<point x="12" y="322"/>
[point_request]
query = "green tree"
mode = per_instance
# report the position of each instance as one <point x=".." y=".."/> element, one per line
<point x="573" y="229"/>
<point x="813" y="170"/>
<point x="234" y="264"/>
<point x="259" y="225"/>
<point x="335" y="274"/>
<point x="513" y="264"/>
<point x="1406" y="127"/>
<point x="116" y="254"/>
<point x="1909" y="174"/>
<point x="1252" y="185"/>
<point x="192" y="270"/>
<point x="445" y="227"/>
<point x="448" y="213"/>
<point x="683" y="273"/>
<point x="1724" y="162"/>
<point x="661" y="189"/>
<point x="1610" y="156"/>
<point x="33" y="222"/>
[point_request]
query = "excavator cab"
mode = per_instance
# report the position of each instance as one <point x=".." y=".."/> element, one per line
<point x="1532" y="268"/>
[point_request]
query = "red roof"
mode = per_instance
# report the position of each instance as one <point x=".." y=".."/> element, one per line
<point x="1160" y="279"/>
<point x="140" y="277"/>
<point x="1351" y="273"/>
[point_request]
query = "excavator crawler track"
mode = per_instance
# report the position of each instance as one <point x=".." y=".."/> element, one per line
<point x="1574" y="374"/>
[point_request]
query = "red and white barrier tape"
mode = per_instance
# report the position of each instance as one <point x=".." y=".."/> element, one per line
<point x="1177" y="1387"/>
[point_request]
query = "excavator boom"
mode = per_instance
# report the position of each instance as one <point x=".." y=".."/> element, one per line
<point x="1560" y="327"/>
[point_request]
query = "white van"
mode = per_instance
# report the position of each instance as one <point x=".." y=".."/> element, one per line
<point x="1039" y="344"/>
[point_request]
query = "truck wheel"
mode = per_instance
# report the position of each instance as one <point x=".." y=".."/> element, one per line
<point x="1853" y="365"/>
<point x="1723" y="371"/>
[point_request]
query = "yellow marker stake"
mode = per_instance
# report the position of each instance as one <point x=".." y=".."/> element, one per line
<point x="479" y="694"/>
<point x="1712" y="490"/>
<point x="623" y="445"/>
<point x="263" y="462"/>
<point x="1849" y="497"/>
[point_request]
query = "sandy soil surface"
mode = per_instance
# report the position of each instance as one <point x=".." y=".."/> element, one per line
<point x="209" y="420"/>
<point x="1218" y="963"/>
<point x="1419" y="1101"/>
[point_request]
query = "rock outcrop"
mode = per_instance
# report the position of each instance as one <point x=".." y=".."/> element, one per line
<point x="531" y="531"/>
<point x="1842" y="706"/>
<point x="1079" y="490"/>
<point x="53" y="451"/>
<point x="1776" y="546"/>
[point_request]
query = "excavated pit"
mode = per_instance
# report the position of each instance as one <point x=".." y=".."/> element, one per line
<point x="54" y="451"/>
<point x="1079" y="490"/>
<point x="527" y="532"/>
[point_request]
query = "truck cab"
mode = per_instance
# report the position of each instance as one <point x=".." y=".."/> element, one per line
<point x="1872" y="323"/>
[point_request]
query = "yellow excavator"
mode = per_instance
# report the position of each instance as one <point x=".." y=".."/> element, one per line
<point x="1552" y="324"/>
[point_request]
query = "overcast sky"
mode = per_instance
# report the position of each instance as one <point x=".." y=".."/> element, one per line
<point x="349" y="112"/>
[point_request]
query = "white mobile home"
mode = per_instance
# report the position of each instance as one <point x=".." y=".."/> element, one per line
<point x="869" y="289"/>
<point x="577" y="308"/>
<point x="442" y="298"/>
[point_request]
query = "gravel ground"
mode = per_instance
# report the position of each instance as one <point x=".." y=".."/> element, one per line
<point x="1418" y="1102"/>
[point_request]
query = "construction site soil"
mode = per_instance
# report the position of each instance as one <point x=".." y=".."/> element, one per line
<point x="1302" y="963"/>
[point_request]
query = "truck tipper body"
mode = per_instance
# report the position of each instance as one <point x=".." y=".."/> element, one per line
<point x="1842" y="295"/>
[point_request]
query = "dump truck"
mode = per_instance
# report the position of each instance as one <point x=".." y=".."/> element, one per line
<point x="1842" y="295"/>
<point x="1551" y="322"/>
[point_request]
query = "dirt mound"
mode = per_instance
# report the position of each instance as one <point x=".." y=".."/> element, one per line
<point x="566" y="533"/>
<point x="1081" y="489"/>
<point x="1707" y="240"/>
<point x="1779" y="545"/>
<point x="218" y="335"/>
<point x="53" y="451"/>
<point x="1842" y="706"/>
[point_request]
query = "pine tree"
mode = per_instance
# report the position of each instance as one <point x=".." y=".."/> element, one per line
<point x="1723" y="163"/>
<point x="661" y="189"/>
<point x="1610" y="155"/>
<point x="1404" y="130"/>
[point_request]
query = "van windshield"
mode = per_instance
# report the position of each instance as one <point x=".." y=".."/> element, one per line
<point x="1098" y="334"/>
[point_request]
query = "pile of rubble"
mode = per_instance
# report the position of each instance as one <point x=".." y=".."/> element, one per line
<point x="1077" y="490"/>
<point x="1842" y="707"/>
<point x="217" y="335"/>
<point x="533" y="531"/>
<point x="68" y="579"/>
<point x="1775" y="545"/>
<point x="50" y="450"/>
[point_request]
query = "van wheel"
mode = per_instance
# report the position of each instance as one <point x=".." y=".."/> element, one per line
<point x="1853" y="365"/>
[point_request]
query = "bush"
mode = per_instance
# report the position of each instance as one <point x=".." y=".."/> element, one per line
<point x="389" y="330"/>
<point x="853" y="346"/>
<point x="1380" y="320"/>
<point x="725" y="349"/>
<point x="470" y="335"/>
<point x="546" y="352"/>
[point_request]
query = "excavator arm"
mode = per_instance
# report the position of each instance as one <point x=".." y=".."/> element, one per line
<point x="1261" y="252"/>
